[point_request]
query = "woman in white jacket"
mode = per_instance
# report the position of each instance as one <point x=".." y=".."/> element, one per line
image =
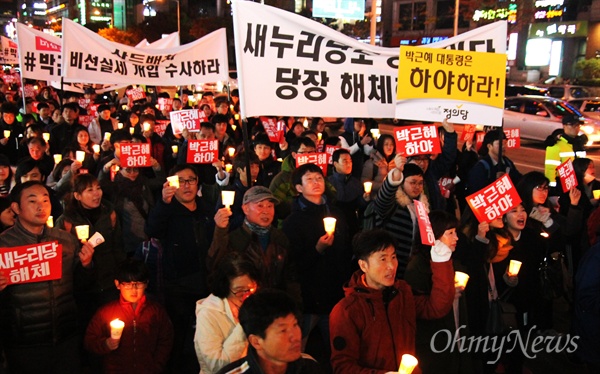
<point x="219" y="338"/>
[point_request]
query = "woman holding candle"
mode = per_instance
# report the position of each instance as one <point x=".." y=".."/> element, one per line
<point x="377" y="166"/>
<point x="219" y="338"/>
<point x="82" y="142"/>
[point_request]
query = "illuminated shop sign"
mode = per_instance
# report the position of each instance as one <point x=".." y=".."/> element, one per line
<point x="509" y="14"/>
<point x="548" y="3"/>
<point x="548" y="14"/>
<point x="573" y="29"/>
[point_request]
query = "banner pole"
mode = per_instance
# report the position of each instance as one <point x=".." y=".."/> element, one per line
<point x="247" y="148"/>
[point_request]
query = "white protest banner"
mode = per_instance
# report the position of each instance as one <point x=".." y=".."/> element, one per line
<point x="202" y="151"/>
<point x="39" y="54"/>
<point x="309" y="69"/>
<point x="32" y="263"/>
<point x="9" y="51"/>
<point x="169" y="41"/>
<point x="189" y="119"/>
<point x="90" y="58"/>
<point x="135" y="155"/>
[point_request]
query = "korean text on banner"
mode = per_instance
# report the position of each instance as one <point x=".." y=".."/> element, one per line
<point x="513" y="138"/>
<point x="202" y="151"/>
<point x="329" y="149"/>
<point x="160" y="126"/>
<point x="90" y="58"/>
<point x="566" y="173"/>
<point x="273" y="128"/>
<point x="427" y="236"/>
<point x="39" y="54"/>
<point x="417" y="140"/>
<point x="9" y="51"/>
<point x="317" y="158"/>
<point x="135" y="155"/>
<point x="32" y="263"/>
<point x="462" y="86"/>
<point x="309" y="69"/>
<point x="494" y="200"/>
<point x="189" y="119"/>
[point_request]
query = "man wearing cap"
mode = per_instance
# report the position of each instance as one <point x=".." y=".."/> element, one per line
<point x="266" y="246"/>
<point x="488" y="168"/>
<point x="563" y="145"/>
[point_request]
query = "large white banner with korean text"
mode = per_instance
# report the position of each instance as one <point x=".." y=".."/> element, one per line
<point x="9" y="50"/>
<point x="90" y="58"/>
<point x="39" y="54"/>
<point x="290" y="65"/>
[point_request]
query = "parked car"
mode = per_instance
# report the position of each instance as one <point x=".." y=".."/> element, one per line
<point x="567" y="91"/>
<point x="589" y="106"/>
<point x="537" y="116"/>
<point x="523" y="89"/>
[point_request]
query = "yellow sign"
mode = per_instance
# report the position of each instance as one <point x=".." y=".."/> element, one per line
<point x="428" y="73"/>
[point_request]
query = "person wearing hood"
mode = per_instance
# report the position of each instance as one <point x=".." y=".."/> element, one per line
<point x="395" y="209"/>
<point x="563" y="145"/>
<point x="323" y="258"/>
<point x="375" y="323"/>
<point x="219" y="338"/>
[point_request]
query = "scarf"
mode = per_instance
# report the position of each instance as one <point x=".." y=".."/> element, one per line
<point x="262" y="232"/>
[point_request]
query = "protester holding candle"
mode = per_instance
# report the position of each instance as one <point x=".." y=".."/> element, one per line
<point x="380" y="163"/>
<point x="11" y="127"/>
<point x="147" y="336"/>
<point x="6" y="176"/>
<point x="82" y="142"/>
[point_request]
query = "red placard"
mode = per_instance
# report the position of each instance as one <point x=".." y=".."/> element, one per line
<point x="83" y="102"/>
<point x="566" y="173"/>
<point x="202" y="151"/>
<point x="92" y="109"/>
<point x="85" y="120"/>
<point x="445" y="183"/>
<point x="427" y="236"/>
<point x="494" y="200"/>
<point x="165" y="104"/>
<point x="32" y="263"/>
<point x="42" y="44"/>
<point x="29" y="91"/>
<point x="329" y="149"/>
<point x="189" y="119"/>
<point x="135" y="155"/>
<point x="137" y="93"/>
<point x="320" y="159"/>
<point x="417" y="140"/>
<point x="513" y="138"/>
<point x="160" y="125"/>
<point x="9" y="79"/>
<point x="468" y="132"/>
<point x="273" y="128"/>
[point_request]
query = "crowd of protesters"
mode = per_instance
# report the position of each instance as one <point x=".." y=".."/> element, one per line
<point x="177" y="266"/>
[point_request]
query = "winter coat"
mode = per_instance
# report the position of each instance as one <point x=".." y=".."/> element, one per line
<point x="268" y="169"/>
<point x="41" y="313"/>
<point x="250" y="365"/>
<point x="371" y="329"/>
<point x="219" y="338"/>
<point x="321" y="275"/>
<point x="349" y="198"/>
<point x="146" y="341"/>
<point x="12" y="148"/>
<point x="439" y="167"/>
<point x="560" y="148"/>
<point x="484" y="173"/>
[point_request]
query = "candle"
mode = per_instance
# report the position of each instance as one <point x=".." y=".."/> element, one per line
<point x="375" y="133"/>
<point x="329" y="223"/>
<point x="305" y="124"/>
<point x="233" y="127"/>
<point x="46" y="136"/>
<point x="131" y="130"/>
<point x="83" y="232"/>
<point x="236" y="117"/>
<point x="116" y="168"/>
<point x="7" y="133"/>
<point x="175" y="148"/>
<point x="514" y="267"/>
<point x="227" y="197"/>
<point x="120" y="125"/>
<point x="408" y="363"/>
<point x="231" y="151"/>
<point x="461" y="279"/>
<point x="50" y="221"/>
<point x="57" y="158"/>
<point x="116" y="328"/>
<point x="319" y="136"/>
<point x="107" y="136"/>
<point x="596" y="194"/>
<point x="146" y="126"/>
<point x="231" y="107"/>
<point x="80" y="156"/>
<point x="173" y="181"/>
<point x="228" y="168"/>
<point x="368" y="186"/>
<point x="96" y="148"/>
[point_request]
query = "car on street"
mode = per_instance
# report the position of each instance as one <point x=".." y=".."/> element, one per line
<point x="538" y="116"/>
<point x="589" y="106"/>
<point x="566" y="91"/>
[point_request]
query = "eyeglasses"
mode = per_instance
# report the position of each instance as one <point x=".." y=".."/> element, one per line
<point x="191" y="181"/>
<point x="243" y="292"/>
<point x="542" y="187"/>
<point x="132" y="285"/>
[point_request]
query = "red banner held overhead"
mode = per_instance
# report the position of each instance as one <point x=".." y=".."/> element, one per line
<point x="202" y="151"/>
<point x="319" y="159"/>
<point x="417" y="140"/>
<point x="494" y="200"/>
<point x="32" y="263"/>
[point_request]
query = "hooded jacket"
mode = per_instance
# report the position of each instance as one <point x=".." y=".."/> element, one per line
<point x="371" y="329"/>
<point x="219" y="338"/>
<point x="250" y="365"/>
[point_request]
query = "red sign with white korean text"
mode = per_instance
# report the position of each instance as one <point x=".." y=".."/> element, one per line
<point x="42" y="44"/>
<point x="85" y="120"/>
<point x="468" y="132"/>
<point x="566" y="173"/>
<point x="202" y="151"/>
<point x="9" y="79"/>
<point x="165" y="104"/>
<point x="32" y="263"/>
<point x="417" y="140"/>
<point x="83" y="102"/>
<point x="135" y="155"/>
<point x="273" y="128"/>
<point x="513" y="138"/>
<point x="137" y="93"/>
<point x="479" y="141"/>
<point x="319" y="159"/>
<point x="445" y="184"/>
<point x="329" y="149"/>
<point x="92" y="109"/>
<point x="29" y="90"/>
<point x="427" y="236"/>
<point x="160" y="126"/>
<point x="494" y="200"/>
<point x="189" y="119"/>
